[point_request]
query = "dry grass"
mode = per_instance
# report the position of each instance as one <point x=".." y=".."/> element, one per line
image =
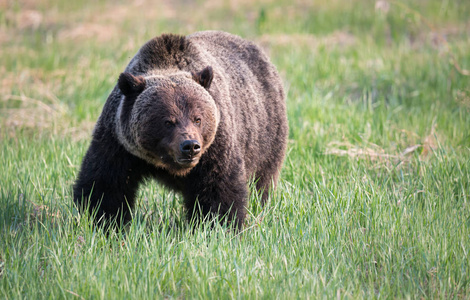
<point x="89" y="31"/>
<point x="335" y="39"/>
<point x="375" y="153"/>
<point x="25" y="19"/>
<point x="40" y="116"/>
<point x="462" y="97"/>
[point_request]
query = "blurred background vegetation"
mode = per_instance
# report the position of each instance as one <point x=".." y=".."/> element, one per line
<point x="63" y="57"/>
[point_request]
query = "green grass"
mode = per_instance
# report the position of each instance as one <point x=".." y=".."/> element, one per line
<point x="373" y="199"/>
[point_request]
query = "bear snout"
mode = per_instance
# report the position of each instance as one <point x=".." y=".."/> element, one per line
<point x="190" y="148"/>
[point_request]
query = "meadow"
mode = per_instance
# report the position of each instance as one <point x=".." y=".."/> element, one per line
<point x="373" y="200"/>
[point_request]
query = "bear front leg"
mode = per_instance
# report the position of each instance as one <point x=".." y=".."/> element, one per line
<point x="107" y="182"/>
<point x="223" y="196"/>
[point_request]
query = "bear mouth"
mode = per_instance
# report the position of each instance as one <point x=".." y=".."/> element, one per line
<point x="187" y="162"/>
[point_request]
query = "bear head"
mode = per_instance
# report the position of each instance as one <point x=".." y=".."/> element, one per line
<point x="167" y="120"/>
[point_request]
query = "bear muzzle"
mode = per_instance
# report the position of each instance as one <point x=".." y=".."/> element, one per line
<point x="190" y="151"/>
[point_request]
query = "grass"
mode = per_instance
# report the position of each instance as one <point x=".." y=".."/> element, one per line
<point x="373" y="199"/>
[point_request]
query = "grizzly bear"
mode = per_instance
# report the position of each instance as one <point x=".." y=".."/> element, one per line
<point x="203" y="114"/>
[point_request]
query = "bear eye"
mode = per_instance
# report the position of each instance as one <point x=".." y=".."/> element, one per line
<point x="169" y="124"/>
<point x="197" y="121"/>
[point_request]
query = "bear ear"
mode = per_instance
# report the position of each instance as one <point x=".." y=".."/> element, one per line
<point x="131" y="85"/>
<point x="204" y="77"/>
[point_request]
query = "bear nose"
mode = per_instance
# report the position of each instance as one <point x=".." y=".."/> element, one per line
<point x="190" y="147"/>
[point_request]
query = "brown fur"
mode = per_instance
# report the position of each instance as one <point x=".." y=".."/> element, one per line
<point x="202" y="114"/>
